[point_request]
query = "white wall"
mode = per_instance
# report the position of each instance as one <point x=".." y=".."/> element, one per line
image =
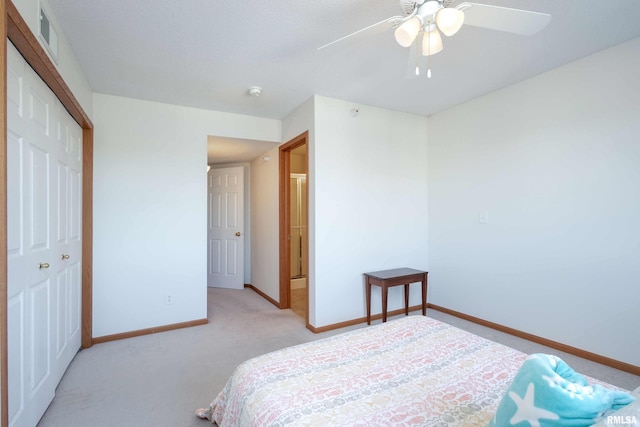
<point x="66" y="62"/>
<point x="554" y="160"/>
<point x="301" y="120"/>
<point x="264" y="215"/>
<point x="150" y="209"/>
<point x="369" y="183"/>
<point x="367" y="186"/>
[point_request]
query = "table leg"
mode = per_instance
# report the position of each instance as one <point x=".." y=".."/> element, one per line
<point x="406" y="299"/>
<point x="385" y="292"/>
<point x="368" y="291"/>
<point x="424" y="295"/>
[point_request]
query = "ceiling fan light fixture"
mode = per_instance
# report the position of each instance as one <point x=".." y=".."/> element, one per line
<point x="431" y="42"/>
<point x="406" y="33"/>
<point x="449" y="20"/>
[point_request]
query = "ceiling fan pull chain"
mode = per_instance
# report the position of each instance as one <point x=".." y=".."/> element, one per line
<point x="429" y="55"/>
<point x="417" y="56"/>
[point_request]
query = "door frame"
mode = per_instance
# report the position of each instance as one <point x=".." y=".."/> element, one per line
<point x="14" y="28"/>
<point x="285" y="218"/>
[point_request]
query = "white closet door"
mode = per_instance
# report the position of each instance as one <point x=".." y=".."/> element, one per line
<point x="43" y="178"/>
<point x="68" y="244"/>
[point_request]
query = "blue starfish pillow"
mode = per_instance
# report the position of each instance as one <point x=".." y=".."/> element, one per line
<point x="547" y="392"/>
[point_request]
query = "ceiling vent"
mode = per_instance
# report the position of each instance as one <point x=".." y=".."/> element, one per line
<point x="48" y="35"/>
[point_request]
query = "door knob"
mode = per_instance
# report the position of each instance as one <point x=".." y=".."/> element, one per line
<point x="65" y="256"/>
<point x="43" y="265"/>
<point x="238" y="234"/>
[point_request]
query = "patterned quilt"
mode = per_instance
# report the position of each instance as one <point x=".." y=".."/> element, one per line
<point x="414" y="371"/>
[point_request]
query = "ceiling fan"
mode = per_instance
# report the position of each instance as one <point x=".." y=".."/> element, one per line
<point x="423" y="22"/>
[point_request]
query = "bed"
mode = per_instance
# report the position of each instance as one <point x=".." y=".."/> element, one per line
<point x="414" y="371"/>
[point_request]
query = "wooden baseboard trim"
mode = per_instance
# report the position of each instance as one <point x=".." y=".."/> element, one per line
<point x="360" y="320"/>
<point x="263" y="295"/>
<point x="623" y="366"/>
<point x="140" y="332"/>
<point x="607" y="361"/>
<point x="334" y="325"/>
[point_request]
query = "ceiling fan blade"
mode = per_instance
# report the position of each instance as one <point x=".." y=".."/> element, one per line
<point x="499" y="18"/>
<point x="379" y="26"/>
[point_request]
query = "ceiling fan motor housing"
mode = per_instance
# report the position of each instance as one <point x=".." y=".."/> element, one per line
<point x="425" y="7"/>
<point x="429" y="9"/>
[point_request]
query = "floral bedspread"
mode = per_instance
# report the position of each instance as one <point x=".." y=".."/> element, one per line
<point x="414" y="371"/>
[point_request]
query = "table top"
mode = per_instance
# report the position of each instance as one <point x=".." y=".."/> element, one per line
<point x="396" y="272"/>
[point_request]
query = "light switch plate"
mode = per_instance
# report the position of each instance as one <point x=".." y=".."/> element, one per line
<point x="483" y="217"/>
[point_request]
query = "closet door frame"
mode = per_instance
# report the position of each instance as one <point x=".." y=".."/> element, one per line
<point x="13" y="28"/>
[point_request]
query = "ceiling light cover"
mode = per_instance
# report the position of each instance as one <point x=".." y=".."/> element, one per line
<point x="449" y="20"/>
<point x="431" y="42"/>
<point x="406" y="33"/>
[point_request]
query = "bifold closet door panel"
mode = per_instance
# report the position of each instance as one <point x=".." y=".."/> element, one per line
<point x="44" y="264"/>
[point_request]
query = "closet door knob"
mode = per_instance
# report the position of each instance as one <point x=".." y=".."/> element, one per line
<point x="43" y="265"/>
<point x="238" y="234"/>
<point x="65" y="256"/>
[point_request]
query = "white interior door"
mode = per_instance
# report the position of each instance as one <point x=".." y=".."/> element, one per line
<point x="43" y="241"/>
<point x="225" y="229"/>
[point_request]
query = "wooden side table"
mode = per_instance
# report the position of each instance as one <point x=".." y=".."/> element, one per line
<point x="388" y="278"/>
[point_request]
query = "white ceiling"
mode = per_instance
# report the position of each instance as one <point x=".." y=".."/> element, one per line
<point x="224" y="150"/>
<point x="207" y="53"/>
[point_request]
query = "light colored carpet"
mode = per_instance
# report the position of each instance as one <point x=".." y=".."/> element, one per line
<point x="159" y="380"/>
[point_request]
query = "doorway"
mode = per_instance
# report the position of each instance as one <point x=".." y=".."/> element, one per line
<point x="298" y="233"/>
<point x="294" y="235"/>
